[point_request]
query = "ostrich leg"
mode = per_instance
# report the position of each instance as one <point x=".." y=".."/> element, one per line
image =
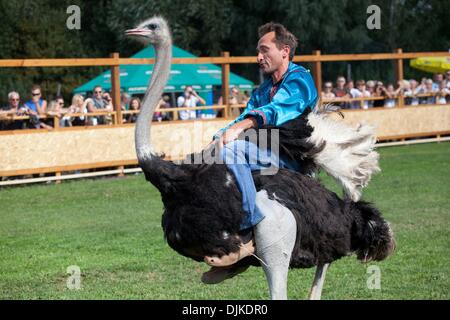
<point x="275" y="239"/>
<point x="319" y="278"/>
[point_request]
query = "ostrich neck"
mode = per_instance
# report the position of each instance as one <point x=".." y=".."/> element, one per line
<point x="160" y="75"/>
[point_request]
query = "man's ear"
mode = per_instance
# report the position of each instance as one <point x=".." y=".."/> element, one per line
<point x="286" y="51"/>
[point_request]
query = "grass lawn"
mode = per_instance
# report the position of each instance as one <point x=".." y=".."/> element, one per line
<point x="111" y="229"/>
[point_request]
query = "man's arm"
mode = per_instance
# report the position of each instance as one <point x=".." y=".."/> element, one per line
<point x="297" y="93"/>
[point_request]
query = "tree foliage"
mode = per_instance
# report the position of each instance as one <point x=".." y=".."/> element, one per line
<point x="37" y="29"/>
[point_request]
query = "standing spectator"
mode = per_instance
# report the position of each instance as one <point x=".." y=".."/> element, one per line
<point x="411" y="93"/>
<point x="189" y="99"/>
<point x="135" y="105"/>
<point x="447" y="78"/>
<point x="437" y="79"/>
<point x="429" y="91"/>
<point x="360" y="92"/>
<point x="443" y="93"/>
<point x="390" y="94"/>
<point x="164" y="104"/>
<point x="327" y="91"/>
<point x="370" y="86"/>
<point x="125" y="101"/>
<point x="341" y="92"/>
<point x="109" y="106"/>
<point x="379" y="91"/>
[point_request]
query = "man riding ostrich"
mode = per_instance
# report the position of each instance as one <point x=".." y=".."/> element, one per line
<point x="289" y="218"/>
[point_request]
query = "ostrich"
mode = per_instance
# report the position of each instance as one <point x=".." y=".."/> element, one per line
<point x="202" y="203"/>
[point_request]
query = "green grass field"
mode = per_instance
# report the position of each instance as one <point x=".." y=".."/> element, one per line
<point x="111" y="229"/>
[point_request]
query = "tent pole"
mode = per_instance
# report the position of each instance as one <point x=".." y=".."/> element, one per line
<point x="226" y="84"/>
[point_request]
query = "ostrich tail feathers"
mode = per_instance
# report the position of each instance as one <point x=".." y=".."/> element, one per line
<point x="348" y="154"/>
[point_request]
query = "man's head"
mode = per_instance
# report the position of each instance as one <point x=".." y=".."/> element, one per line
<point x="13" y="98"/>
<point x="340" y="82"/>
<point x="438" y="77"/>
<point x="188" y="91"/>
<point x="276" y="46"/>
<point x="60" y="101"/>
<point x="98" y="91"/>
<point x="36" y="92"/>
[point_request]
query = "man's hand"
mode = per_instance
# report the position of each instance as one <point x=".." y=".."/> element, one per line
<point x="235" y="130"/>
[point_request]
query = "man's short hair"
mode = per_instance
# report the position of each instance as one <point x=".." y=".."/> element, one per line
<point x="36" y="87"/>
<point x="282" y="36"/>
<point x="13" y="94"/>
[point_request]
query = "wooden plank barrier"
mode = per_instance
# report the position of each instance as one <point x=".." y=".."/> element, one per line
<point x="77" y="148"/>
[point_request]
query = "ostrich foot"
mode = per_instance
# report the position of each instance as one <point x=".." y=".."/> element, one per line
<point x="218" y="274"/>
<point x="246" y="249"/>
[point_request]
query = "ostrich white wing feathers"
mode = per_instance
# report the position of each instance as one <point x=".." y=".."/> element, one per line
<point x="348" y="155"/>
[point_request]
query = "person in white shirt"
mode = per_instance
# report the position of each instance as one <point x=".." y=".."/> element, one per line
<point x="360" y="92"/>
<point x="443" y="93"/>
<point x="189" y="99"/>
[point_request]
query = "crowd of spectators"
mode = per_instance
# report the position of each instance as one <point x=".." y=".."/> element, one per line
<point x="42" y="114"/>
<point x="368" y="94"/>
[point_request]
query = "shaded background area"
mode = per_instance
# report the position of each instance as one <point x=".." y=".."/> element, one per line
<point x="37" y="29"/>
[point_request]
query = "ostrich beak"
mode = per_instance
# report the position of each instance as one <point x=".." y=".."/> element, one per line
<point x="136" y="32"/>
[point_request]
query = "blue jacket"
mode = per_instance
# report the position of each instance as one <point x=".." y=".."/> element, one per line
<point x="296" y="92"/>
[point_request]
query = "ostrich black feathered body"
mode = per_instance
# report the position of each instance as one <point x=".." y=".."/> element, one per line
<point x="203" y="207"/>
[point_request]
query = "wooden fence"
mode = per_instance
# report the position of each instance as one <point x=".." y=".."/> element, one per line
<point x="112" y="145"/>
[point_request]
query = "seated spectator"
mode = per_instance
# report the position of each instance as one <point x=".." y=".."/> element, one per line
<point x="442" y="95"/>
<point x="36" y="104"/>
<point x="56" y="109"/>
<point x="98" y="104"/>
<point x="109" y="106"/>
<point x="78" y="106"/>
<point x="327" y="91"/>
<point x="341" y="92"/>
<point x="12" y="108"/>
<point x="135" y="105"/>
<point x="189" y="99"/>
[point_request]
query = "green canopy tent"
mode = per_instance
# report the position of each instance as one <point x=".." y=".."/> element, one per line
<point x="134" y="78"/>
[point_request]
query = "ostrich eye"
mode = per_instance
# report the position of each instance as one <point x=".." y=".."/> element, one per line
<point x="152" y="26"/>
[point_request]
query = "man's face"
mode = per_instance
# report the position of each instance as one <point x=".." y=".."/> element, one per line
<point x="14" y="101"/>
<point x="60" y="102"/>
<point x="36" y="94"/>
<point x="270" y="58"/>
<point x="98" y="93"/>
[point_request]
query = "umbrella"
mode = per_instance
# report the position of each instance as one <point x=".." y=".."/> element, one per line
<point x="134" y="78"/>
<point x="431" y="64"/>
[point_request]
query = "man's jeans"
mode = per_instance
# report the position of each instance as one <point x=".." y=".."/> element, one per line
<point x="242" y="157"/>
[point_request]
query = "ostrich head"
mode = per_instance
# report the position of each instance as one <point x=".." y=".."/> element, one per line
<point x="152" y="31"/>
